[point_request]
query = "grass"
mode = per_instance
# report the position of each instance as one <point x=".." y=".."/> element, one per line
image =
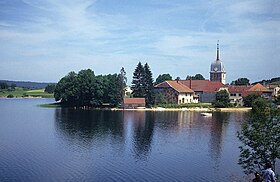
<point x="21" y="92"/>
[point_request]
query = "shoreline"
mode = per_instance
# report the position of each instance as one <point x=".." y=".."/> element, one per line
<point x="194" y="109"/>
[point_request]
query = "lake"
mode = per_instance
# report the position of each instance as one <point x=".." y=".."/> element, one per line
<point x="55" y="144"/>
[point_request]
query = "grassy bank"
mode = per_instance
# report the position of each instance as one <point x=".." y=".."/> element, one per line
<point x="21" y="92"/>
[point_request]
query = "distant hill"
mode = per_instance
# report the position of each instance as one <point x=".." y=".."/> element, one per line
<point x="24" y="84"/>
<point x="273" y="81"/>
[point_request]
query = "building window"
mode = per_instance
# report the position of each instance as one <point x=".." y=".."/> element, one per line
<point x="183" y="100"/>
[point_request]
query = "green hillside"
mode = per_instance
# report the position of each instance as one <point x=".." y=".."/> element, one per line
<point x="21" y="92"/>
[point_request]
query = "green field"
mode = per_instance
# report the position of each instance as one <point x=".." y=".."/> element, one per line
<point x="21" y="92"/>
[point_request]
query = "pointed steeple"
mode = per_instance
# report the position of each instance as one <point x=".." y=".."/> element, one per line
<point x="218" y="53"/>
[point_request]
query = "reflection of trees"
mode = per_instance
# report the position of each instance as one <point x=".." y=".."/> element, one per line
<point x="167" y="120"/>
<point x="219" y="122"/>
<point x="87" y="125"/>
<point x="143" y="129"/>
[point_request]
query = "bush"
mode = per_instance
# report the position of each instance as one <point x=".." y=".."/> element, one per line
<point x="248" y="100"/>
<point x="10" y="96"/>
<point x="222" y="99"/>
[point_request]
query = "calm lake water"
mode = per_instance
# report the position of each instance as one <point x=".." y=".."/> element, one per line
<point x="54" y="144"/>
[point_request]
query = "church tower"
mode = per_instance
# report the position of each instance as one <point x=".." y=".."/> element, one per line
<point x="217" y="69"/>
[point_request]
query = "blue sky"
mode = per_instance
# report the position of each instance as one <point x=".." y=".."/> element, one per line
<point x="44" y="40"/>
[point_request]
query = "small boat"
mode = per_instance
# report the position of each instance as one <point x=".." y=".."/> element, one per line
<point x="206" y="114"/>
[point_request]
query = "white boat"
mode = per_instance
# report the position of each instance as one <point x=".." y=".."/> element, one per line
<point x="206" y="114"/>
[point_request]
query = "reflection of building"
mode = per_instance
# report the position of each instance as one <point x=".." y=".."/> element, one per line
<point x="218" y="127"/>
<point x="174" y="92"/>
<point x="217" y="69"/>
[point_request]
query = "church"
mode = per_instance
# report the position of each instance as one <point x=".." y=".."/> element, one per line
<point x="217" y="69"/>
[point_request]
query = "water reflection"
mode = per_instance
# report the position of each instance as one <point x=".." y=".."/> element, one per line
<point x="84" y="126"/>
<point x="217" y="133"/>
<point x="90" y="145"/>
<point x="143" y="129"/>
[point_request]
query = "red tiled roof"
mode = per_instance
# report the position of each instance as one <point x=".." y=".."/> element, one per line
<point x="239" y="89"/>
<point x="134" y="100"/>
<point x="202" y="85"/>
<point x="243" y="89"/>
<point x="258" y="88"/>
<point x="179" y="87"/>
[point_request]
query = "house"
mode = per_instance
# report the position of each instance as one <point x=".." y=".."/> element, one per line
<point x="205" y="89"/>
<point x="237" y="92"/>
<point x="128" y="91"/>
<point x="275" y="89"/>
<point x="132" y="103"/>
<point x="174" y="92"/>
<point x="261" y="90"/>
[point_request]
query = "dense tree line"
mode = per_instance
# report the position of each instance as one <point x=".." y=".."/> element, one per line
<point x="50" y="88"/>
<point x="86" y="89"/>
<point x="5" y="86"/>
<point x="162" y="78"/>
<point x="196" y="77"/>
<point x="241" y="81"/>
<point x="142" y="83"/>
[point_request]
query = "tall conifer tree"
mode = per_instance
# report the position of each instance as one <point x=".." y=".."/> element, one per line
<point x="137" y="87"/>
<point x="148" y="85"/>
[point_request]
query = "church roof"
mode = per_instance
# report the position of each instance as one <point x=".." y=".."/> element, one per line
<point x="176" y="85"/>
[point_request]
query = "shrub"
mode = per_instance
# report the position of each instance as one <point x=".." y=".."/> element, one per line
<point x="10" y="96"/>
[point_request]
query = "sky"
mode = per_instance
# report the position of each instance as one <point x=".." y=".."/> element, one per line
<point x="45" y="40"/>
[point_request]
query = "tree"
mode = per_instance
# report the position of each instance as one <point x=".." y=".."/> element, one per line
<point x="148" y="85"/>
<point x="86" y="89"/>
<point x="122" y="82"/>
<point x="260" y="137"/>
<point x="177" y="78"/>
<point x="248" y="100"/>
<point x="222" y="99"/>
<point x="137" y="87"/>
<point x="241" y="81"/>
<point x="66" y="90"/>
<point x="13" y="86"/>
<point x="162" y="78"/>
<point x="50" y="88"/>
<point x="4" y="85"/>
<point x="196" y="77"/>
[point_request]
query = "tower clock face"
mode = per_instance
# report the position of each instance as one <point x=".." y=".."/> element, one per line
<point x="215" y="69"/>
